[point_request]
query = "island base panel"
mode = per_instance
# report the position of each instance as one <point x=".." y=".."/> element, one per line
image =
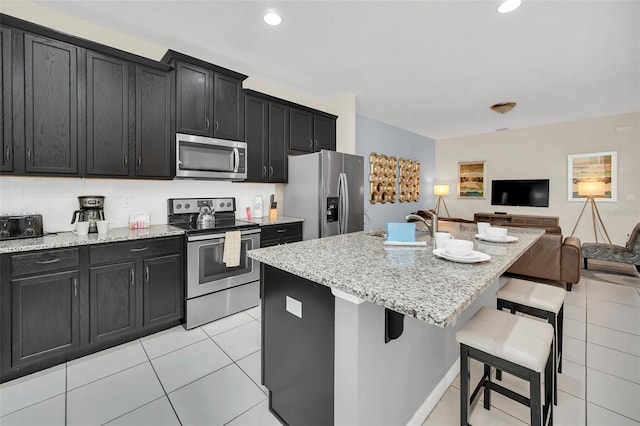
<point x="298" y="347"/>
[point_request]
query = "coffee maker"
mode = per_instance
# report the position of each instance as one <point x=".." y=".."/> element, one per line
<point x="91" y="209"/>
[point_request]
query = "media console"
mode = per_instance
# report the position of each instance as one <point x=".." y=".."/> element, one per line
<point x="516" y="219"/>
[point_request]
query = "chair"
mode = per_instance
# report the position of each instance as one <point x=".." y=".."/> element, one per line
<point x="630" y="253"/>
<point x="517" y="345"/>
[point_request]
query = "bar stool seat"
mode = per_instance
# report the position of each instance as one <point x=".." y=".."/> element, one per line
<point x="518" y="345"/>
<point x="539" y="300"/>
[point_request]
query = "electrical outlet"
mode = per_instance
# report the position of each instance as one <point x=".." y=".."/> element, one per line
<point x="126" y="203"/>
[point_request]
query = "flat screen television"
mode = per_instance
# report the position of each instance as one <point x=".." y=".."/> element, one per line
<point x="520" y="192"/>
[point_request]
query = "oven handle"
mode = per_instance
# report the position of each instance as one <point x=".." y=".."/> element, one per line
<point x="220" y="235"/>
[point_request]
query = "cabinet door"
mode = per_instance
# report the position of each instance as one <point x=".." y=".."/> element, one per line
<point x="257" y="138"/>
<point x="45" y="317"/>
<point x="112" y="301"/>
<point x="278" y="142"/>
<point x="228" y="108"/>
<point x="51" y="106"/>
<point x="300" y="130"/>
<point x="107" y="115"/>
<point x="163" y="289"/>
<point x="6" y="139"/>
<point x="324" y="133"/>
<point x="153" y="123"/>
<point x="194" y="103"/>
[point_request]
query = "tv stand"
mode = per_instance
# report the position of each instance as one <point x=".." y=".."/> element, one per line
<point x="516" y="219"/>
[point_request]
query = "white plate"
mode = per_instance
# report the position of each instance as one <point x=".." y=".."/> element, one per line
<point x="505" y="239"/>
<point x="474" y="257"/>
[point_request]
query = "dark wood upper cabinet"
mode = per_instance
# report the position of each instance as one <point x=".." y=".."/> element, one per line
<point x="301" y="130"/>
<point x="6" y="122"/>
<point x="209" y="98"/>
<point x="154" y="142"/>
<point x="267" y="137"/>
<point x="324" y="133"/>
<point x="50" y="106"/>
<point x="107" y="144"/>
<point x="194" y="104"/>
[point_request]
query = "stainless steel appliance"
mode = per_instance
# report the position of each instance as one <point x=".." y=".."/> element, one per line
<point x="326" y="189"/>
<point x="213" y="289"/>
<point x="200" y="157"/>
<point x="91" y="209"/>
<point x="20" y="226"/>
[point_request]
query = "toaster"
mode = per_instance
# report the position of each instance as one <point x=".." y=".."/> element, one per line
<point x="20" y="226"/>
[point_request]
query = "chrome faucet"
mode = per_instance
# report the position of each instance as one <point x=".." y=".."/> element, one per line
<point x="432" y="226"/>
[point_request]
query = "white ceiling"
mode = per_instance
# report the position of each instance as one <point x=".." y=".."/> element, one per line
<point x="431" y="67"/>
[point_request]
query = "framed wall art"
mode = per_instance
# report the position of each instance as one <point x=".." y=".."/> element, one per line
<point x="600" y="167"/>
<point x="471" y="178"/>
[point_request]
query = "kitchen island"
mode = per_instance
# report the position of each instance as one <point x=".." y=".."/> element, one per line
<point x="355" y="332"/>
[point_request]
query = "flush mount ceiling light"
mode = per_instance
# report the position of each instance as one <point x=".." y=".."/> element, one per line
<point x="272" y="18"/>
<point x="509" y="6"/>
<point x="503" y="107"/>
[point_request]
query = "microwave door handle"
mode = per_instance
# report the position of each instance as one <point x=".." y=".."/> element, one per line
<point x="236" y="160"/>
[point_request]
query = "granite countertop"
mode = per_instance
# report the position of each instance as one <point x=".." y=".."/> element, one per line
<point x="280" y="220"/>
<point x="70" y="239"/>
<point x="408" y="280"/>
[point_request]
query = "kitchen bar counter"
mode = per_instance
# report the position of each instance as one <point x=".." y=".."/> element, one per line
<point x="408" y="280"/>
<point x="70" y="239"/>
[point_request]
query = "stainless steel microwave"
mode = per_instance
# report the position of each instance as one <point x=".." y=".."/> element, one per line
<point x="199" y="157"/>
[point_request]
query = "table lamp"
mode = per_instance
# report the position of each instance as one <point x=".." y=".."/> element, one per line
<point x="441" y="191"/>
<point x="590" y="190"/>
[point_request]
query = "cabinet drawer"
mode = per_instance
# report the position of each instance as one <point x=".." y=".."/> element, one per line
<point x="114" y="252"/>
<point x="288" y="231"/>
<point x="44" y="261"/>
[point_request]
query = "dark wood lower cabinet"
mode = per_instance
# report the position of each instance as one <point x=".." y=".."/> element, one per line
<point x="45" y="317"/>
<point x="60" y="304"/>
<point x="112" y="301"/>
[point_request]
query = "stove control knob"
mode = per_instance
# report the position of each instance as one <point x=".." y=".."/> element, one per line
<point x="28" y="231"/>
<point x="186" y="206"/>
<point x="228" y="204"/>
<point x="178" y="206"/>
<point x="221" y="204"/>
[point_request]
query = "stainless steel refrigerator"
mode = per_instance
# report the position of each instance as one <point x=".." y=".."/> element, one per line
<point x="326" y="189"/>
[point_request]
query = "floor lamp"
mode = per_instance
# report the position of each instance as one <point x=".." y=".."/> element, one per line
<point x="591" y="190"/>
<point x="441" y="191"/>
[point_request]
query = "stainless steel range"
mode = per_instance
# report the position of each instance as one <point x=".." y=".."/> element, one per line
<point x="216" y="285"/>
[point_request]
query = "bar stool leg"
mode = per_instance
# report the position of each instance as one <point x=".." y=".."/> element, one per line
<point x="464" y="385"/>
<point x="549" y="377"/>
<point x="487" y="387"/>
<point x="536" y="403"/>
<point x="560" y="336"/>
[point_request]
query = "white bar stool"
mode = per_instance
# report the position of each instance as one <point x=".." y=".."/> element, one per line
<point x="518" y="345"/>
<point x="538" y="300"/>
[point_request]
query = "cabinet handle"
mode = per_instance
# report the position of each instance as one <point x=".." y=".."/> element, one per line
<point x="139" y="162"/>
<point x="146" y="273"/>
<point x="217" y="125"/>
<point x="75" y="287"/>
<point x="270" y="171"/>
<point x="282" y="231"/>
<point x="206" y="124"/>
<point x="8" y="155"/>
<point x="48" y="262"/>
<point x="126" y="161"/>
<point x="133" y="277"/>
<point x="139" y="249"/>
<point x="29" y="156"/>
<point x="264" y="170"/>
<point x="311" y="144"/>
<point x="315" y="144"/>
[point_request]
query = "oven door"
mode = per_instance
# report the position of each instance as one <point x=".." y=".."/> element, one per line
<point x="207" y="273"/>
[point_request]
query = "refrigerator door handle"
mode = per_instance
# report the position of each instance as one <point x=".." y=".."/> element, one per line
<point x="343" y="203"/>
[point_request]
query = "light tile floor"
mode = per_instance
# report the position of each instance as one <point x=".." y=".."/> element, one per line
<point x="211" y="375"/>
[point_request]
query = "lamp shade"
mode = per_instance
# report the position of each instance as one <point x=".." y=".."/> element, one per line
<point x="591" y="189"/>
<point x="441" y="189"/>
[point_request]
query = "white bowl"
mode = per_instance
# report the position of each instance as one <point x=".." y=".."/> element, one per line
<point x="496" y="232"/>
<point x="459" y="248"/>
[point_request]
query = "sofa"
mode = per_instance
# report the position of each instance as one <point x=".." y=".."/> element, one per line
<point x="552" y="257"/>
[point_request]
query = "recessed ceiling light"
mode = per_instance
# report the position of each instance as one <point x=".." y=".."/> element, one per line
<point x="509" y="6"/>
<point x="272" y="18"/>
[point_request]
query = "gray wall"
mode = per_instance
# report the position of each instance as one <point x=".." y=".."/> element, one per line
<point x="382" y="138"/>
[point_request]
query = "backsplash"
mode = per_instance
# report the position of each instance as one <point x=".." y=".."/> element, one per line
<point x="57" y="198"/>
